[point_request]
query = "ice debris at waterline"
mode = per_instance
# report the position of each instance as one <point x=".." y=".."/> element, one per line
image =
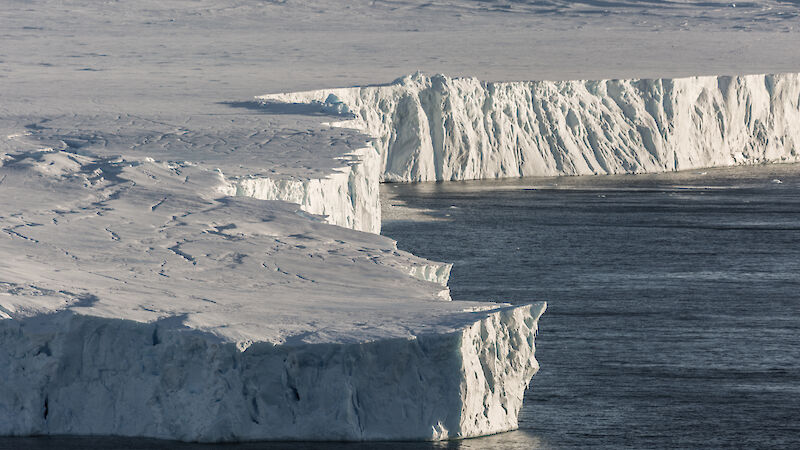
<point x="442" y="128"/>
<point x="144" y="297"/>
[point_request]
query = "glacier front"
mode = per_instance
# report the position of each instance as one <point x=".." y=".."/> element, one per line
<point x="430" y="128"/>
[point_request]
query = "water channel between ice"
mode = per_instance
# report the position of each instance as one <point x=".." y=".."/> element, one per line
<point x="673" y="299"/>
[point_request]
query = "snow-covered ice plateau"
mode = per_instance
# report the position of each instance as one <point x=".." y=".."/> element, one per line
<point x="218" y="298"/>
<point x="180" y="261"/>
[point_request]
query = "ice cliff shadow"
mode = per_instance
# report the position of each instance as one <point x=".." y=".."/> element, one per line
<point x="80" y="443"/>
<point x="510" y="440"/>
<point x="316" y="109"/>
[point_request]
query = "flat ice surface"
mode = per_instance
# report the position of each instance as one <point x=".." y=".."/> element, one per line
<point x="152" y="69"/>
<point x="144" y="240"/>
<point x="152" y="58"/>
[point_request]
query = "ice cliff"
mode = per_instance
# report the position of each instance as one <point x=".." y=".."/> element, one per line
<point x="348" y="197"/>
<point x="442" y="128"/>
<point x="92" y="375"/>
<point x="220" y="280"/>
<point x="144" y="297"/>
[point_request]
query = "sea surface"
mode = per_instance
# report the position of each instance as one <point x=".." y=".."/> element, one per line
<point x="673" y="315"/>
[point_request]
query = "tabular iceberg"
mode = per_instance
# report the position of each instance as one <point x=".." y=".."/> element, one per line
<point x="78" y="374"/>
<point x="429" y="128"/>
<point x="155" y="298"/>
<point x="188" y="289"/>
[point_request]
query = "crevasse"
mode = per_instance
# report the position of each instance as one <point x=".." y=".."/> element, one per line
<point x="442" y="128"/>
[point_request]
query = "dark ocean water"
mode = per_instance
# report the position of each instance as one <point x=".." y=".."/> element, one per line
<point x="673" y="300"/>
<point x="673" y="314"/>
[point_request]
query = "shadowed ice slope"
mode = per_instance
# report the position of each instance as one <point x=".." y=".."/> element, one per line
<point x="441" y="128"/>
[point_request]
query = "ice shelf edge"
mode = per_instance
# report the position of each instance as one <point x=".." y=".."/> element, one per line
<point x="66" y="373"/>
<point x="430" y="128"/>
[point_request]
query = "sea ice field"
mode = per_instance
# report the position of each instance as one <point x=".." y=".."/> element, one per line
<point x="194" y="235"/>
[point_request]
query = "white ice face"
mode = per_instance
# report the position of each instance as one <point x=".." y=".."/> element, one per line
<point x="441" y="128"/>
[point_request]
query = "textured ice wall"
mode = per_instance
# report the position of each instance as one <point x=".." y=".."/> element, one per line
<point x="441" y="128"/>
<point x="93" y="375"/>
<point x="349" y="198"/>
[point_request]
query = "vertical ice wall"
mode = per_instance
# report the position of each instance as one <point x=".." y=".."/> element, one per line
<point x="441" y="128"/>
<point x="93" y="375"/>
<point x="348" y="197"/>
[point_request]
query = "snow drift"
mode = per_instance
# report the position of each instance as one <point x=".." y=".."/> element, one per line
<point x="442" y="128"/>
